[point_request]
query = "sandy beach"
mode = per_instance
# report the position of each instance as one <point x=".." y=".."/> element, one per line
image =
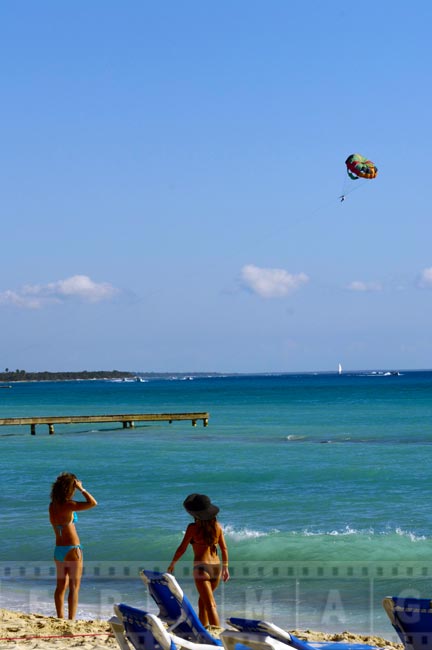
<point x="34" y="631"/>
<point x="37" y="632"/>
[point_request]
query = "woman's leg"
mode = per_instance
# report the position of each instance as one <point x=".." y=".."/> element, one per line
<point x="74" y="567"/>
<point x="202" y="612"/>
<point x="60" y="590"/>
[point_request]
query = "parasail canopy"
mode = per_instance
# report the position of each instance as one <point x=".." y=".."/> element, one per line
<point x="360" y="167"/>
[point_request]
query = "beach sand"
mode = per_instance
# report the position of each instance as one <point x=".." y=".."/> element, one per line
<point x="37" y="632"/>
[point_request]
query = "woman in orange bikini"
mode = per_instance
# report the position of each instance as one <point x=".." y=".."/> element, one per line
<point x="68" y="551"/>
<point x="204" y="535"/>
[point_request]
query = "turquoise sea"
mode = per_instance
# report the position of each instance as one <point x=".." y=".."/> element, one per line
<point x="323" y="484"/>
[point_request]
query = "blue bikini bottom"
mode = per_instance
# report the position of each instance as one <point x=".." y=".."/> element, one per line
<point x="60" y="552"/>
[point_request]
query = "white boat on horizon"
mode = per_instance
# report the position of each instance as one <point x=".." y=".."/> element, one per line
<point x="340" y="369"/>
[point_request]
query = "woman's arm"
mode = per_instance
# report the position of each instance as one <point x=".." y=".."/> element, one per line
<point x="182" y="548"/>
<point x="90" y="501"/>
<point x="224" y="552"/>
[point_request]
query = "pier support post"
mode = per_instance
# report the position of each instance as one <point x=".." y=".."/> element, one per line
<point x="33" y="429"/>
<point x="124" y="424"/>
<point x="205" y="422"/>
<point x="51" y="429"/>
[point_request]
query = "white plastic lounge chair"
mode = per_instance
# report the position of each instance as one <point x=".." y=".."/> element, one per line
<point x="232" y="639"/>
<point x="146" y="632"/>
<point x="254" y="626"/>
<point x="118" y="629"/>
<point x="134" y="628"/>
<point x="412" y="620"/>
<point x="175" y="608"/>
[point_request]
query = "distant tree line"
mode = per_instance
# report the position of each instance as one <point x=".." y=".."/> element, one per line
<point x="22" y="375"/>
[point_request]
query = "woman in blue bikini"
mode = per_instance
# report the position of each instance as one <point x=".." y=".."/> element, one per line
<point x="204" y="535"/>
<point x="68" y="551"/>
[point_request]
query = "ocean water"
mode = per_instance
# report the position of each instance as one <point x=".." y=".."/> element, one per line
<point x="323" y="484"/>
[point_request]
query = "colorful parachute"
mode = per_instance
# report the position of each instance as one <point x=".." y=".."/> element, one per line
<point x="360" y="167"/>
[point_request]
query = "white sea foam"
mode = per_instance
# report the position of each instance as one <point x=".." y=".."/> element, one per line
<point x="411" y="536"/>
<point x="370" y="532"/>
<point x="244" y="533"/>
<point x="335" y="533"/>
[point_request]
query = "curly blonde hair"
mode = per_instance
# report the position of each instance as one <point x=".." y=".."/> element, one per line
<point x="63" y="487"/>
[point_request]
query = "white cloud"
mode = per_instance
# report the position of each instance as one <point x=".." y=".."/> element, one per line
<point x="271" y="283"/>
<point x="80" y="287"/>
<point x="424" y="280"/>
<point x="359" y="285"/>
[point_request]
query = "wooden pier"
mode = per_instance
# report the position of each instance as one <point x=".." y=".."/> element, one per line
<point x="127" y="419"/>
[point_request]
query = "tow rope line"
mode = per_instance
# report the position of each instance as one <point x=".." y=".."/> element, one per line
<point x="53" y="636"/>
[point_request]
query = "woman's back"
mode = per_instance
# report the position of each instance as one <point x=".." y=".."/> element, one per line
<point x="63" y="519"/>
<point x="204" y="540"/>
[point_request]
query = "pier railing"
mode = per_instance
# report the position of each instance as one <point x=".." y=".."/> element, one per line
<point x="127" y="419"/>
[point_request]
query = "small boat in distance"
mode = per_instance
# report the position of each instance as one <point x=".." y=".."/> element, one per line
<point x="340" y="369"/>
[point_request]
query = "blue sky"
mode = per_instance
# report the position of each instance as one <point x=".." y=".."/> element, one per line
<point x="170" y="175"/>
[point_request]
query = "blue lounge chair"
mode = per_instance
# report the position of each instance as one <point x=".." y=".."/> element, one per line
<point x="141" y="629"/>
<point x="175" y="608"/>
<point x="146" y="632"/>
<point x="253" y="626"/>
<point x="412" y="620"/>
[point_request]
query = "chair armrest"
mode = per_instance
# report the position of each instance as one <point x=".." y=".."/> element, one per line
<point x="254" y="640"/>
<point x="119" y="633"/>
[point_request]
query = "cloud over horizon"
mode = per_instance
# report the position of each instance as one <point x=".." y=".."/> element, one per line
<point x="79" y="287"/>
<point x="359" y="285"/>
<point x="271" y="283"/>
<point x="424" y="281"/>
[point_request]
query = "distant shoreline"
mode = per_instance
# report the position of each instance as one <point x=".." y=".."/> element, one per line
<point x="22" y="375"/>
<point x="19" y="376"/>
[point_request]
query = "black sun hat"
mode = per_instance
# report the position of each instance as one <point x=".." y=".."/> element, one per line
<point x="200" y="507"/>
